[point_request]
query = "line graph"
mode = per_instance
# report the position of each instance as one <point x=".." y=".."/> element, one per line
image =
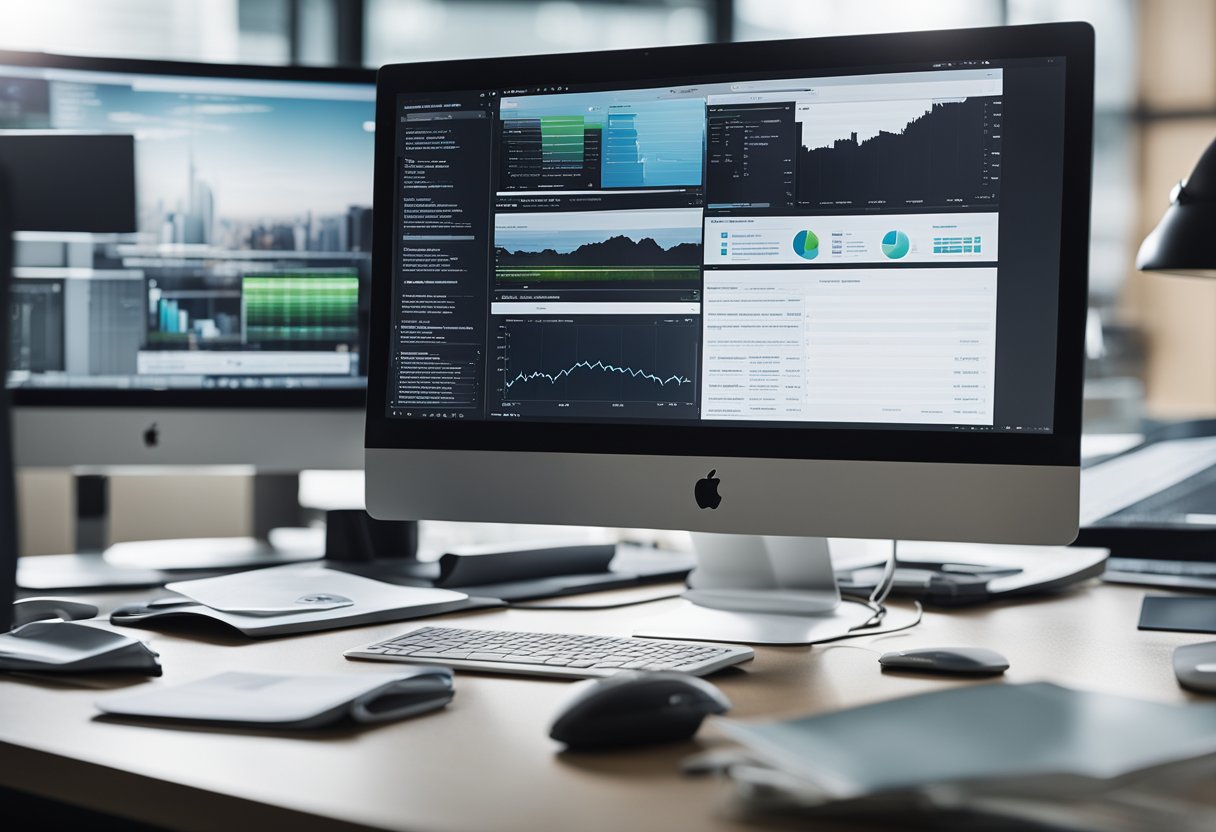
<point x="598" y="365"/>
<point x="587" y="360"/>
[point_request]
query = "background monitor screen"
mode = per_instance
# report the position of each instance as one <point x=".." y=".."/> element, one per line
<point x="249" y="266"/>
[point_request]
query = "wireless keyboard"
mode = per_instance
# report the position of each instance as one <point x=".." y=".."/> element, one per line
<point x="550" y="654"/>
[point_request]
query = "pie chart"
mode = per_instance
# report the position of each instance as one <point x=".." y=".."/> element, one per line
<point x="806" y="245"/>
<point x="895" y="244"/>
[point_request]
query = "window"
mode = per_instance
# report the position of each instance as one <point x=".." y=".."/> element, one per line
<point x="420" y="30"/>
<point x="249" y="31"/>
<point x="771" y="19"/>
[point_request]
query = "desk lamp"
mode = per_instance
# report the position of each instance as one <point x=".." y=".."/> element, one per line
<point x="1181" y="242"/>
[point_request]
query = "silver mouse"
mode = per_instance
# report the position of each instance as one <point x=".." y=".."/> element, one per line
<point x="976" y="661"/>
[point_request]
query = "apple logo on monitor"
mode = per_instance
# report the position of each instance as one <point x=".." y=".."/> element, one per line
<point x="151" y="436"/>
<point x="706" y="491"/>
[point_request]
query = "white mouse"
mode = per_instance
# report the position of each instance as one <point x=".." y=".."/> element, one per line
<point x="965" y="660"/>
<point x="1195" y="666"/>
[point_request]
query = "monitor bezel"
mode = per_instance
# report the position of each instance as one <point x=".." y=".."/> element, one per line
<point x="328" y="398"/>
<point x="1072" y="41"/>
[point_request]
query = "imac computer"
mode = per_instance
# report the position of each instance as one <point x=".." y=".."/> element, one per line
<point x="229" y="328"/>
<point x="765" y="292"/>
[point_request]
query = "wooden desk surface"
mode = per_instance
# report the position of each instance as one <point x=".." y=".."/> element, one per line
<point x="486" y="762"/>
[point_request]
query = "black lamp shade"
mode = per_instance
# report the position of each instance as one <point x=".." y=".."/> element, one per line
<point x="1184" y="242"/>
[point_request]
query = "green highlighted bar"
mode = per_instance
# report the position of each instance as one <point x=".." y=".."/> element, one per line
<point x="561" y="138"/>
<point x="321" y="307"/>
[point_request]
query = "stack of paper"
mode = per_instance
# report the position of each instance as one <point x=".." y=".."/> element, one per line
<point x="1038" y="753"/>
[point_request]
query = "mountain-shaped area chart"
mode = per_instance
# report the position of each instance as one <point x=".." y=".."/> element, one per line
<point x="596" y="247"/>
<point x="618" y="250"/>
<point x="946" y="155"/>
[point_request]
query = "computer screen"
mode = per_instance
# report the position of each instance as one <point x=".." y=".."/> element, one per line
<point x="231" y="327"/>
<point x="857" y="249"/>
<point x="249" y="266"/>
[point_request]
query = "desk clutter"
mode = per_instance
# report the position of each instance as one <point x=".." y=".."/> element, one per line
<point x="284" y="700"/>
<point x="964" y="574"/>
<point x="1038" y="754"/>
<point x="68" y="647"/>
<point x="297" y="598"/>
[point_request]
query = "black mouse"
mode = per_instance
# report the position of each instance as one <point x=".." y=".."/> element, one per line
<point x="636" y="708"/>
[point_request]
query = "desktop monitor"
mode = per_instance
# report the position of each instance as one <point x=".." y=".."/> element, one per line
<point x="230" y="328"/>
<point x="829" y="287"/>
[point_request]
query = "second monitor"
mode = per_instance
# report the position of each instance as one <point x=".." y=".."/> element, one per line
<point x="227" y="329"/>
<point x="230" y="327"/>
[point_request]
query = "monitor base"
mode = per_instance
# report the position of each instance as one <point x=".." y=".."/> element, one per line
<point x="276" y="540"/>
<point x="775" y="601"/>
<point x="690" y="622"/>
<point x="289" y="545"/>
<point x="763" y="574"/>
<point x="149" y="563"/>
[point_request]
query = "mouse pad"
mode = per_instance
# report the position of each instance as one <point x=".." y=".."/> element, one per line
<point x="1186" y="615"/>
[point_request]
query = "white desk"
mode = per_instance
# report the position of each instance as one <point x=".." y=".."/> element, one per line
<point x="486" y="762"/>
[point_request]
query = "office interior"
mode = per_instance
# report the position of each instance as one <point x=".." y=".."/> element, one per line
<point x="1151" y="354"/>
<point x="1149" y="369"/>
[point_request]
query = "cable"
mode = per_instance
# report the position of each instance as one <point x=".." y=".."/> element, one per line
<point x="920" y="613"/>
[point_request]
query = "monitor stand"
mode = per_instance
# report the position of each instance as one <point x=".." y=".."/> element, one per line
<point x="748" y="589"/>
<point x="763" y="574"/>
<point x="278" y="539"/>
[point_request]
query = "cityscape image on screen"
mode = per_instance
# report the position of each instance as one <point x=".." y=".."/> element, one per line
<point x="253" y="242"/>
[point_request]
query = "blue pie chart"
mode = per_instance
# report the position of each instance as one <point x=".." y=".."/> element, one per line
<point x="895" y="244"/>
